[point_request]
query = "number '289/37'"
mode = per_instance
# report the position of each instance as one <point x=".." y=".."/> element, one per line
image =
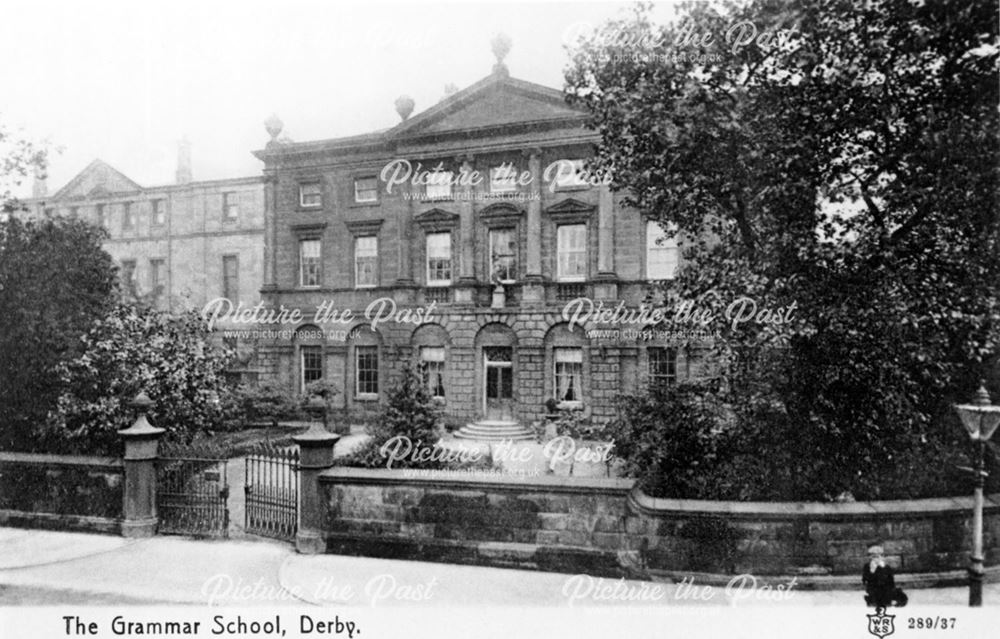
<point x="930" y="623"/>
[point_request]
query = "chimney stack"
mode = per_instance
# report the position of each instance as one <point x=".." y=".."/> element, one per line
<point x="184" y="174"/>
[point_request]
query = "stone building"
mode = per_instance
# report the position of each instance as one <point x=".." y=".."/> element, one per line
<point x="476" y="223"/>
<point x="181" y="244"/>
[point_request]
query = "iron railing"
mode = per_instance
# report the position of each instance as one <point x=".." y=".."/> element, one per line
<point x="192" y="491"/>
<point x="272" y="492"/>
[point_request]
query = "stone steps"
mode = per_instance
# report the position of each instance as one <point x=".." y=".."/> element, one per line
<point x="494" y="431"/>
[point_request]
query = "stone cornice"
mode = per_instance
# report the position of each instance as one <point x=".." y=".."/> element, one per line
<point x="307" y="227"/>
<point x="437" y="219"/>
<point x="502" y="212"/>
<point x="364" y="227"/>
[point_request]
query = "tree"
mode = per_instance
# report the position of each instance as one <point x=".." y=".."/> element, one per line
<point x="409" y="413"/>
<point x="847" y="164"/>
<point x="20" y="158"/>
<point x="55" y="279"/>
<point x="133" y="349"/>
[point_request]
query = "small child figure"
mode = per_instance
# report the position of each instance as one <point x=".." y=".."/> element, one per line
<point x="880" y="584"/>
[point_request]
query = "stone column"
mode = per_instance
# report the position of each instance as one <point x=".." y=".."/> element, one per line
<point x="533" y="291"/>
<point x="315" y="456"/>
<point x="404" y="222"/>
<point x="605" y="286"/>
<point x="405" y="285"/>
<point x="141" y="444"/>
<point x="270" y="232"/>
<point x="466" y="289"/>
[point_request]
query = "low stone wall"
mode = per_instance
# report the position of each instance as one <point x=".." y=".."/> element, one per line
<point x="931" y="536"/>
<point x="606" y="527"/>
<point x="61" y="492"/>
<point x="546" y="523"/>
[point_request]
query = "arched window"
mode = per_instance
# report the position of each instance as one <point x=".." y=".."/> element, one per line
<point x="567" y="362"/>
<point x="430" y="343"/>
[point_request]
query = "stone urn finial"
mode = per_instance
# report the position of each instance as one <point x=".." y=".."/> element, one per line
<point x="500" y="44"/>
<point x="141" y="402"/>
<point x="273" y="125"/>
<point x="404" y="106"/>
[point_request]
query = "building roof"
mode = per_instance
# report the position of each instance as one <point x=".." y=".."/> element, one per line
<point x="99" y="180"/>
<point x="497" y="105"/>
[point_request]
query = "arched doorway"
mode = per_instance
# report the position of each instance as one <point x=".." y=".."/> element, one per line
<point x="496" y="349"/>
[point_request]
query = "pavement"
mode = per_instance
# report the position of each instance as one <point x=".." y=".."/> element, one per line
<point x="50" y="568"/>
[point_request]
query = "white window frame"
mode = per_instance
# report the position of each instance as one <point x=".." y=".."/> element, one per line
<point x="310" y="241"/>
<point x="304" y="350"/>
<point x="157" y="266"/>
<point x="128" y="217"/>
<point x="232" y="259"/>
<point x="368" y="253"/>
<point x="159" y="212"/>
<point x="562" y="356"/>
<point x="231" y="209"/>
<point x="358" y="351"/>
<point x="567" y="251"/>
<point x="434" y="360"/>
<point x="439" y="185"/>
<point x="662" y="252"/>
<point x="505" y="184"/>
<point x="671" y="361"/>
<point x="132" y="273"/>
<point x="306" y="191"/>
<point x="490" y="239"/>
<point x="357" y="192"/>
<point x="570" y="180"/>
<point x="444" y="239"/>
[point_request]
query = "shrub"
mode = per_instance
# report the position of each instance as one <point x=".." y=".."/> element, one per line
<point x="273" y="402"/>
<point x="668" y="438"/>
<point x="167" y="356"/>
<point x="685" y="442"/>
<point x="411" y="412"/>
<point x="264" y="402"/>
<point x="573" y="423"/>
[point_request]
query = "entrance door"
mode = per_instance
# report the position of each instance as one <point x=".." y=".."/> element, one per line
<point x="498" y="394"/>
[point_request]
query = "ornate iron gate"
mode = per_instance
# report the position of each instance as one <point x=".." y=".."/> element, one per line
<point x="272" y="492"/>
<point x="192" y="491"/>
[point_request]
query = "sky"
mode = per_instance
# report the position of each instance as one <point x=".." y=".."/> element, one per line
<point x="124" y="82"/>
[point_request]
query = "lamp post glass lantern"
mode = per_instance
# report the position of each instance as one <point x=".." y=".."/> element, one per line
<point x="980" y="419"/>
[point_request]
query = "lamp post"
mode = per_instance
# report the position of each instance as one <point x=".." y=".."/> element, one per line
<point x="980" y="419"/>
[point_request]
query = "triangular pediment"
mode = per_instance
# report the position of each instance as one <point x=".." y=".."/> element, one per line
<point x="569" y="205"/>
<point x="436" y="216"/>
<point x="499" y="210"/>
<point x="98" y="180"/>
<point x="496" y="101"/>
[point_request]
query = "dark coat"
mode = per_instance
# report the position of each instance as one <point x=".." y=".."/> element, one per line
<point x="880" y="586"/>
